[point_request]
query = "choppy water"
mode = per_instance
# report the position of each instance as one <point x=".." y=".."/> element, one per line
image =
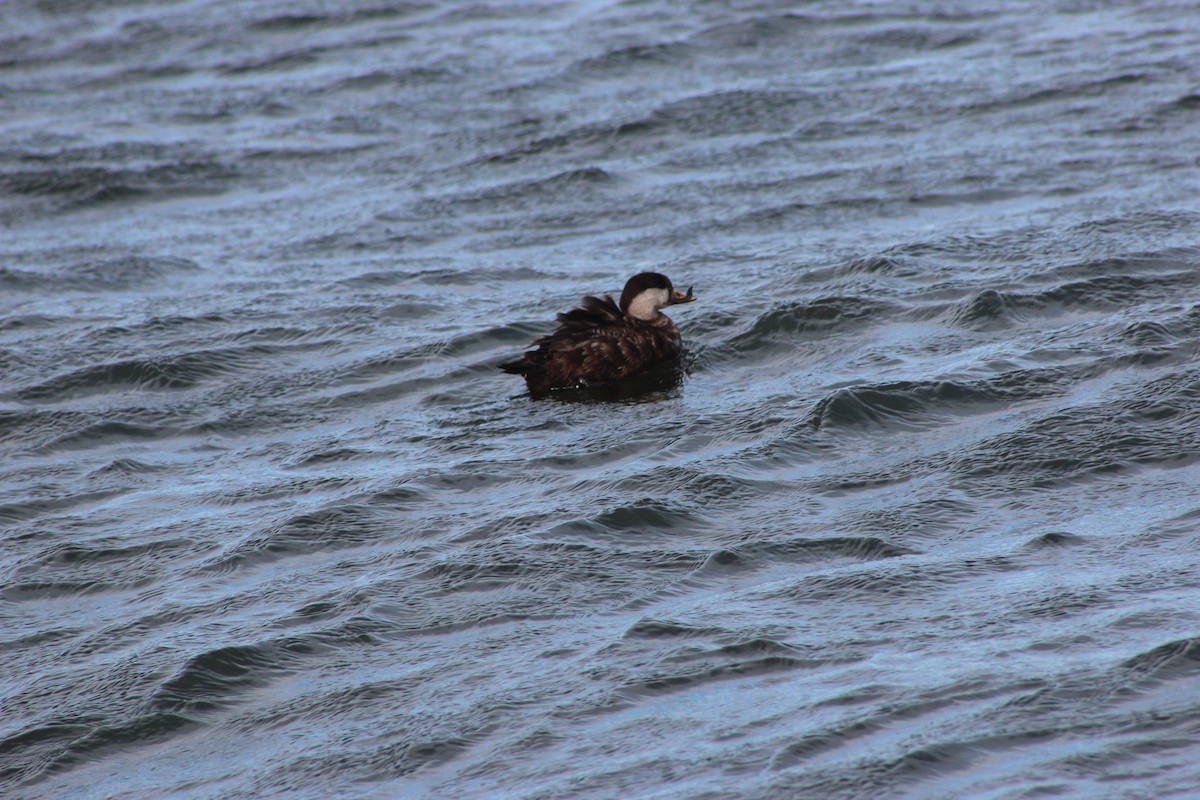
<point x="916" y="515"/>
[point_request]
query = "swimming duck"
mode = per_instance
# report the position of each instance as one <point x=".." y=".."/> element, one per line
<point x="601" y="342"/>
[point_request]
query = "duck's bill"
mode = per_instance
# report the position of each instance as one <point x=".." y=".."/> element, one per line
<point x="680" y="297"/>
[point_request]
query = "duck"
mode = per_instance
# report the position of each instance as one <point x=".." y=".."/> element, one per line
<point x="602" y="342"/>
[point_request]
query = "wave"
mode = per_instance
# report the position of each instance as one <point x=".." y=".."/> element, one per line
<point x="164" y="373"/>
<point x="622" y="62"/>
<point x="892" y="581"/>
<point x="878" y="29"/>
<point x="25" y="510"/>
<point x="110" y="274"/>
<point x="1155" y="426"/>
<point x="1102" y="285"/>
<point x="571" y="186"/>
<point x="817" y="318"/>
<point x="915" y="405"/>
<point x="32" y="428"/>
<point x="758" y="555"/>
<point x="726" y="112"/>
<point x="291" y="21"/>
<point x="208" y="681"/>
<point x="346" y="522"/>
<point x="1076" y="87"/>
<point x="73" y="187"/>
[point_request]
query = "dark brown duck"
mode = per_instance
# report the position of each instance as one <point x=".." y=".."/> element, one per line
<point x="601" y="342"/>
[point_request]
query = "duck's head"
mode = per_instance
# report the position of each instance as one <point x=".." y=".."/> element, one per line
<point x="647" y="292"/>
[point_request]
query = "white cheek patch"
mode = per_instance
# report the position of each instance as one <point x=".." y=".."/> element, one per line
<point x="648" y="302"/>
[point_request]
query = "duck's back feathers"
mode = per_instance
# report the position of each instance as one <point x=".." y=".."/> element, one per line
<point x="593" y="313"/>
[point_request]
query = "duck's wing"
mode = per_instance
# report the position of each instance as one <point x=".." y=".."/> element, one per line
<point x="559" y="356"/>
<point x="600" y="354"/>
<point x="594" y="314"/>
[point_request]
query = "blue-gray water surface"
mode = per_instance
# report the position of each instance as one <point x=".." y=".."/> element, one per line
<point x="916" y="514"/>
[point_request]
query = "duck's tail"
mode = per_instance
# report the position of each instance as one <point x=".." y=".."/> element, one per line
<point x="517" y="367"/>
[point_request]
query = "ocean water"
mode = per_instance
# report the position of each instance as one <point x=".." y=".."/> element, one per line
<point x="916" y="514"/>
